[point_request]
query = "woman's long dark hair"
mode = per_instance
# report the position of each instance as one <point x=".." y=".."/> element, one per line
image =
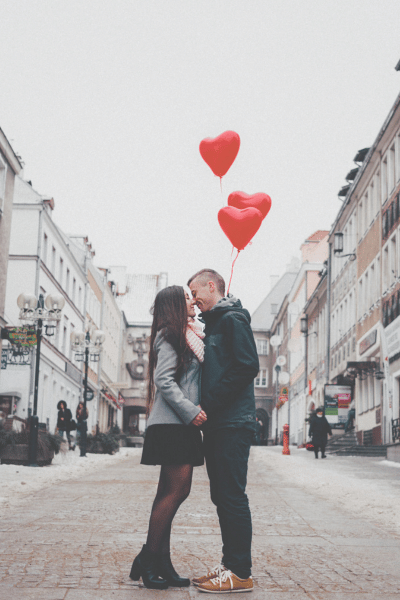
<point x="170" y="316"/>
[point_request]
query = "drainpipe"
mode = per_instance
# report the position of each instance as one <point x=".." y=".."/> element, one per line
<point x="328" y="316"/>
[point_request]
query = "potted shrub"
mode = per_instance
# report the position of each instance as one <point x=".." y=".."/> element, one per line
<point x="14" y="447"/>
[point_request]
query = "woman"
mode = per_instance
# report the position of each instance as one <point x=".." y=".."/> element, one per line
<point x="173" y="438"/>
<point x="81" y="427"/>
<point x="64" y="419"/>
<point x="319" y="429"/>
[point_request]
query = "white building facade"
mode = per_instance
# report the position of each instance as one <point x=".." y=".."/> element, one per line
<point x="40" y="262"/>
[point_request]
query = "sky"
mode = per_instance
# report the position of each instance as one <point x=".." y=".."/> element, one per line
<point x="107" y="101"/>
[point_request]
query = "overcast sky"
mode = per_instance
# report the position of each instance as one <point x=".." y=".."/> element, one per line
<point x="107" y="102"/>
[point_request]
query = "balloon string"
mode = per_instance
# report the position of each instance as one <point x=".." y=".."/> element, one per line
<point x="220" y="183"/>
<point x="233" y="264"/>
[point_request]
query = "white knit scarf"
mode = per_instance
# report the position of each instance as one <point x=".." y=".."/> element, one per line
<point x="194" y="338"/>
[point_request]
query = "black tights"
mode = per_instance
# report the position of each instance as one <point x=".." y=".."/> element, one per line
<point x="173" y="488"/>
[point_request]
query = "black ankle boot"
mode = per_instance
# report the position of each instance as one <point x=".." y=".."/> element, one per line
<point x="145" y="566"/>
<point x="167" y="571"/>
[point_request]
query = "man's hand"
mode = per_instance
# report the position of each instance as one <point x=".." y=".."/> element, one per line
<point x="200" y="418"/>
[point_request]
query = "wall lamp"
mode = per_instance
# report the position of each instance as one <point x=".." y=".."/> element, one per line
<point x="338" y="247"/>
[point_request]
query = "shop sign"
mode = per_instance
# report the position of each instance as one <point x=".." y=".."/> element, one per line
<point x="392" y="333"/>
<point x="23" y="336"/>
<point x="337" y="401"/>
<point x="368" y="341"/>
<point x="284" y="391"/>
<point x="283" y="399"/>
<point x="73" y="372"/>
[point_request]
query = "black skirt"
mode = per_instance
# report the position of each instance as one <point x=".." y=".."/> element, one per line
<point x="173" y="445"/>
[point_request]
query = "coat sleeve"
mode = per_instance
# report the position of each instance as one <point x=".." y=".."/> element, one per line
<point x="243" y="367"/>
<point x="164" y="379"/>
<point x="328" y="427"/>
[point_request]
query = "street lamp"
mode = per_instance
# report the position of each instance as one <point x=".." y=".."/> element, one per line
<point x="87" y="346"/>
<point x="33" y="311"/>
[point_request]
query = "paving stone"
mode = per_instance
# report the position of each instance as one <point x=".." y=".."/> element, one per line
<point x="83" y="535"/>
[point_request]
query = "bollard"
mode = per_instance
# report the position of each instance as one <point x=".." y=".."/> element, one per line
<point x="286" y="440"/>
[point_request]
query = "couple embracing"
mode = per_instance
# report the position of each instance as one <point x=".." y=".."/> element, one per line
<point x="224" y="359"/>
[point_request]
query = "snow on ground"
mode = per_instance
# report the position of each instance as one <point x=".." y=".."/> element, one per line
<point x="362" y="486"/>
<point x="366" y="487"/>
<point x="18" y="482"/>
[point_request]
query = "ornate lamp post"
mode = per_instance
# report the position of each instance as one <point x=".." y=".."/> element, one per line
<point x="87" y="346"/>
<point x="34" y="312"/>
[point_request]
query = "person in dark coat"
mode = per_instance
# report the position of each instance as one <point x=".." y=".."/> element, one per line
<point x="257" y="435"/>
<point x="81" y="427"/>
<point x="318" y="431"/>
<point x="64" y="419"/>
<point x="227" y="397"/>
<point x="351" y="415"/>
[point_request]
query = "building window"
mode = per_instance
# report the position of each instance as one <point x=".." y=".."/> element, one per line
<point x="61" y="272"/>
<point x="262" y="347"/>
<point x="392" y="169"/>
<point x="67" y="282"/>
<point x="262" y="378"/>
<point x="53" y="260"/>
<point x="384" y="182"/>
<point x="73" y="289"/>
<point x="64" y="337"/>
<point x="72" y="329"/>
<point x="45" y="248"/>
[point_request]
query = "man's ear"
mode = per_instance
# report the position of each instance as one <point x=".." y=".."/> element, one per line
<point x="211" y="286"/>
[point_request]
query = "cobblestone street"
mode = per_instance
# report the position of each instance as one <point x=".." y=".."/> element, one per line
<point x="75" y="540"/>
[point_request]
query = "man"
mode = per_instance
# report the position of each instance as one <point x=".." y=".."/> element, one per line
<point x="318" y="431"/>
<point x="227" y="396"/>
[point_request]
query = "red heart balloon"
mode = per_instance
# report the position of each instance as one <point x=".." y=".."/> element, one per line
<point x="239" y="225"/>
<point x="242" y="200"/>
<point x="220" y="152"/>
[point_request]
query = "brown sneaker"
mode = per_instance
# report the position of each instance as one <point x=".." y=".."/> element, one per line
<point x="215" y="572"/>
<point x="226" y="583"/>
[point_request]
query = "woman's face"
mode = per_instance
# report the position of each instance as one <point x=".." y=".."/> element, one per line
<point x="190" y="303"/>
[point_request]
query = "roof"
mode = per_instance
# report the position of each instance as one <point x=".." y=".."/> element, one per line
<point x="318" y="236"/>
<point x="263" y="317"/>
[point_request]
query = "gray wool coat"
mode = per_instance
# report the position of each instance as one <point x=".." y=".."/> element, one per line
<point x="174" y="402"/>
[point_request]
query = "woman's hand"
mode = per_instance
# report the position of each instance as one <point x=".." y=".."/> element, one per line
<point x="200" y="418"/>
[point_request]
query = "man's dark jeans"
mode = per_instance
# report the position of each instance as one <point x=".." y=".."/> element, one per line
<point x="227" y="454"/>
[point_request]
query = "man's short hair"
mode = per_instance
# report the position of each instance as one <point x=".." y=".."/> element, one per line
<point x="210" y="275"/>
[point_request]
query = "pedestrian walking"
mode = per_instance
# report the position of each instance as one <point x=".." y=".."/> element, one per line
<point x="318" y="431"/>
<point x="64" y="419"/>
<point x="227" y="397"/>
<point x="173" y="437"/>
<point x="82" y="415"/>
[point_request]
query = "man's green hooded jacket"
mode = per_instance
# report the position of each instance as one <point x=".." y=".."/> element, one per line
<point x="229" y="368"/>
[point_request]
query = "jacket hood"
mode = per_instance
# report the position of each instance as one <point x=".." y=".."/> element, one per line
<point x="228" y="303"/>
